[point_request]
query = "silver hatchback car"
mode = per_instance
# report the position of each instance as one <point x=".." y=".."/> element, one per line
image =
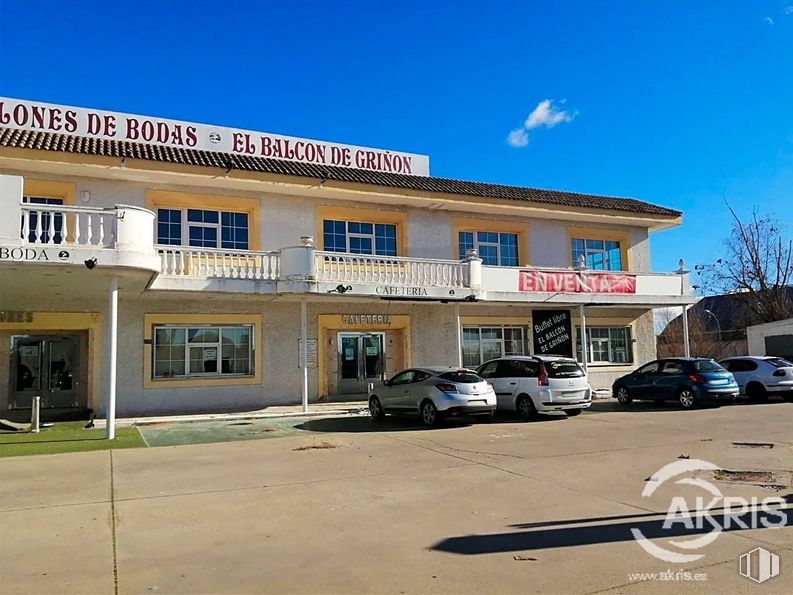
<point x="432" y="393"/>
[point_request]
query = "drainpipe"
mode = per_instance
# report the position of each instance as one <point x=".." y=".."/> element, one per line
<point x="112" y="321"/>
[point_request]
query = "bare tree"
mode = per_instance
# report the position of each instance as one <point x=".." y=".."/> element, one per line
<point x="703" y="339"/>
<point x="757" y="266"/>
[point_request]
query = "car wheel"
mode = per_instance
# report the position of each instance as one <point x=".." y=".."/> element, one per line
<point x="525" y="407"/>
<point x="756" y="391"/>
<point x="429" y="413"/>
<point x="686" y="398"/>
<point x="376" y="409"/>
<point x="573" y="412"/>
<point x="624" y="396"/>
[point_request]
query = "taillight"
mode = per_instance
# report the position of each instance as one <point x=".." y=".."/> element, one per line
<point x="542" y="377"/>
<point x="446" y="388"/>
<point x="779" y="373"/>
<point x="696" y="378"/>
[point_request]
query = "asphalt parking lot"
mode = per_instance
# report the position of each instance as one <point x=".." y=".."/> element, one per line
<point x="348" y="505"/>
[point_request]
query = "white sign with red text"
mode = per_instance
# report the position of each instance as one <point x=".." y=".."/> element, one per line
<point x="46" y="117"/>
<point x="575" y="282"/>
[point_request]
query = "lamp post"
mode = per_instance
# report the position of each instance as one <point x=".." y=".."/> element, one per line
<point x="682" y="271"/>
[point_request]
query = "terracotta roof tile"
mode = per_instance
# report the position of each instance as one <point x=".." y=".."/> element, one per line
<point x="91" y="146"/>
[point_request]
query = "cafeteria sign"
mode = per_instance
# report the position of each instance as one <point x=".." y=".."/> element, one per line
<point x="552" y="332"/>
<point x="575" y="282"/>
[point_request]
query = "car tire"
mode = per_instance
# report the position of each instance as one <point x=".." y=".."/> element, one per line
<point x="525" y="407"/>
<point x="376" y="409"/>
<point x="756" y="391"/>
<point x="428" y="413"/>
<point x="573" y="412"/>
<point x="624" y="396"/>
<point x="687" y="398"/>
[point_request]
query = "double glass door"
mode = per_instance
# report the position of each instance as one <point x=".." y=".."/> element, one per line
<point x="48" y="367"/>
<point x="361" y="360"/>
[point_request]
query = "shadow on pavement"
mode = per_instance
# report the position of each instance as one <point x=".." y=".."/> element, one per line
<point x="407" y="423"/>
<point x="557" y="534"/>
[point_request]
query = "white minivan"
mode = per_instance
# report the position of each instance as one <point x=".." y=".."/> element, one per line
<point x="532" y="384"/>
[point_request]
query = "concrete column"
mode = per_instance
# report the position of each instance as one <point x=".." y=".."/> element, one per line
<point x="304" y="354"/>
<point x="584" y="352"/>
<point x="459" y="335"/>
<point x="112" y="322"/>
<point x="474" y="270"/>
<point x="686" y="343"/>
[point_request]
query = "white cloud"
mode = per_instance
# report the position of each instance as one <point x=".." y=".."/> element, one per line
<point x="518" y="138"/>
<point x="544" y="114"/>
<point x="769" y="20"/>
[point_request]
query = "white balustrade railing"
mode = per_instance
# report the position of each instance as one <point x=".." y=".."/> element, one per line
<point x="390" y="270"/>
<point x="225" y="264"/>
<point x="63" y="224"/>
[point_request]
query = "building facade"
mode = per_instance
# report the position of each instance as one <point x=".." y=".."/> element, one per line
<point x="210" y="275"/>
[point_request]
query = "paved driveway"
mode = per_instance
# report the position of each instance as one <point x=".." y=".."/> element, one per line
<point x="345" y="505"/>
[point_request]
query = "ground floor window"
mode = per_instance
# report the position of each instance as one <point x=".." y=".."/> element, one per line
<point x="606" y="345"/>
<point x="185" y="351"/>
<point x="481" y="343"/>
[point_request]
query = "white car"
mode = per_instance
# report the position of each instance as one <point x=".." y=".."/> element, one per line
<point x="538" y="384"/>
<point x="433" y="393"/>
<point x="760" y="376"/>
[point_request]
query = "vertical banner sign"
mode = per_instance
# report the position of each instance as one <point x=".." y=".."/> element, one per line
<point x="553" y="334"/>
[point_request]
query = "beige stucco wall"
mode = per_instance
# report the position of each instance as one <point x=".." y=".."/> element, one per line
<point x="284" y="218"/>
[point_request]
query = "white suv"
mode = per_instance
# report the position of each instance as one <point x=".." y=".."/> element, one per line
<point x="538" y="384"/>
<point x="759" y="377"/>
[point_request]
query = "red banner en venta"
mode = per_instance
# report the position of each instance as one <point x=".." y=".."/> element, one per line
<point x="575" y="282"/>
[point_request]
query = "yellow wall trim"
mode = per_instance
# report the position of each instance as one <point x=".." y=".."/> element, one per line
<point x="52" y="323"/>
<point x="397" y="218"/>
<point x="210" y="202"/>
<point x="152" y="320"/>
<point x="326" y="322"/>
<point x="493" y="225"/>
<point x="50" y="189"/>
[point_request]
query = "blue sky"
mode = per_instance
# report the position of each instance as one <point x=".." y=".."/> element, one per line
<point x="679" y="103"/>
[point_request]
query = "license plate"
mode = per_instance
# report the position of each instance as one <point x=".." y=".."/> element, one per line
<point x="719" y="381"/>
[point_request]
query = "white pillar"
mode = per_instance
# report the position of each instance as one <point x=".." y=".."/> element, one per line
<point x="459" y="335"/>
<point x="584" y="352"/>
<point x="112" y="321"/>
<point x="686" y="344"/>
<point x="304" y="354"/>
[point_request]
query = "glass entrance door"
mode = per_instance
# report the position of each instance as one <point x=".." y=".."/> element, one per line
<point x="46" y="367"/>
<point x="361" y="360"/>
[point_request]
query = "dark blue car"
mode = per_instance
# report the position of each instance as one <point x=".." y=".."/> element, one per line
<point x="687" y="380"/>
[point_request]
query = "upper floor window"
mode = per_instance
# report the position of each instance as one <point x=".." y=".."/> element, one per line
<point x="494" y="248"/>
<point x="357" y="237"/>
<point x="33" y="221"/>
<point x="202" y="228"/>
<point x="599" y="255"/>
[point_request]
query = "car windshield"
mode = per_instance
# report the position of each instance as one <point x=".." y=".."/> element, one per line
<point x="461" y="377"/>
<point x="779" y="363"/>
<point x="566" y="368"/>
<point x="707" y="365"/>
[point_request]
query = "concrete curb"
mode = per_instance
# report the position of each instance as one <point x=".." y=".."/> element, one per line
<point x="186" y="419"/>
